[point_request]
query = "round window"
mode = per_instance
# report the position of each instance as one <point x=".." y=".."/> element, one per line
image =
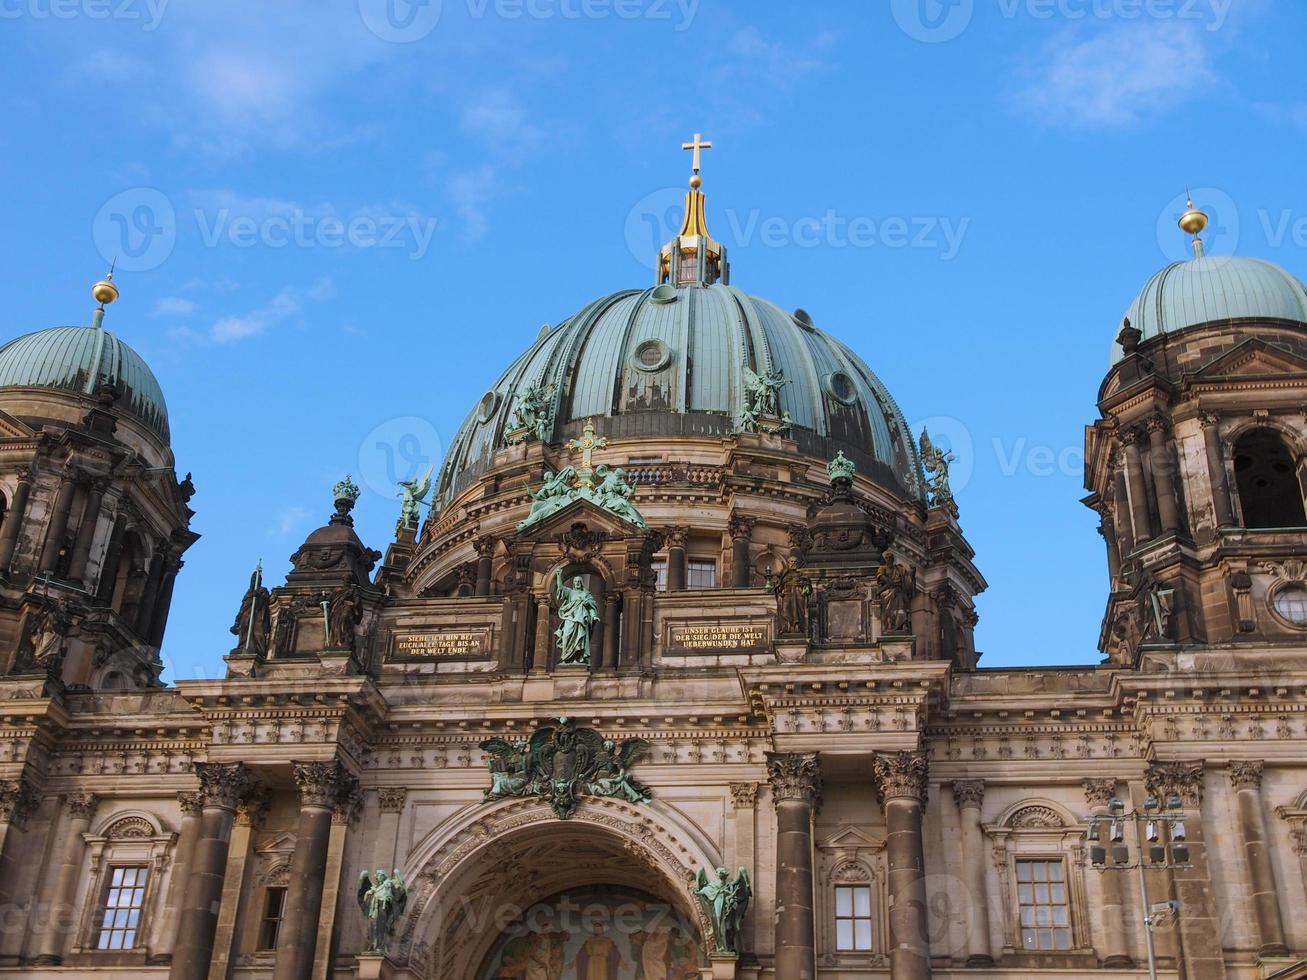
<point x="841" y="388"/>
<point x="1291" y="603"/>
<point x="651" y="355"/>
<point x="486" y="407"/>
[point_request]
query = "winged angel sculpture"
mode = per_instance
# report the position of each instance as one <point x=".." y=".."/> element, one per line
<point x="725" y="901"/>
<point x="412" y="493"/>
<point x="561" y="763"/>
<point x="383" y="900"/>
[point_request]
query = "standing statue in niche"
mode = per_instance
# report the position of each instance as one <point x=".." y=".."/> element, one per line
<point x="47" y="630"/>
<point x="383" y="900"/>
<point x="344" y="613"/>
<point x="895" y="585"/>
<point x="793" y="593"/>
<point x="412" y="493"/>
<point x="577" y="613"/>
<point x="725" y="901"/>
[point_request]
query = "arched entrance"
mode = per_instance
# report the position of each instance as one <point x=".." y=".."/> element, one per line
<point x="513" y="893"/>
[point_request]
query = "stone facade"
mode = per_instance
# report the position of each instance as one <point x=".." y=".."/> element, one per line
<point x="787" y="647"/>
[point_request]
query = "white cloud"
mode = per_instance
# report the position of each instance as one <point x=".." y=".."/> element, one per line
<point x="496" y="118"/>
<point x="470" y="191"/>
<point x="174" y="306"/>
<point x="1117" y="77"/>
<point x="286" y="304"/>
<point x="287" y="520"/>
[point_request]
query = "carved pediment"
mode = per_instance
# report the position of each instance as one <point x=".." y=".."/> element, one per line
<point x="560" y="526"/>
<point x="12" y="428"/>
<point x="1252" y="358"/>
<point x="850" y="839"/>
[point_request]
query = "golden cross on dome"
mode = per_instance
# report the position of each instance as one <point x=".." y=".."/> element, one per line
<point x="697" y="145"/>
<point x="587" y="444"/>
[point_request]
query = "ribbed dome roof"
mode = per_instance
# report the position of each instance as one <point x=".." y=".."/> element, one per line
<point x="77" y="359"/>
<point x="1214" y="288"/>
<point x="670" y="361"/>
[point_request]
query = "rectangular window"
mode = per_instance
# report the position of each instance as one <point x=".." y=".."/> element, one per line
<point x="702" y="574"/>
<point x="853" y="918"/>
<point x="1043" y="904"/>
<point x="123" y="902"/>
<point x="659" y="566"/>
<point x="274" y="910"/>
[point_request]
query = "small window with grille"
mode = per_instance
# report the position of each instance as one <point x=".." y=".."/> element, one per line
<point x="701" y="574"/>
<point x="274" y="911"/>
<point x="124" y="901"/>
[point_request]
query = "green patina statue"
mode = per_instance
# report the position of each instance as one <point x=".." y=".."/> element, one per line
<point x="383" y="900"/>
<point x="560" y="763"/>
<point x="936" y="462"/>
<point x="612" y="493"/>
<point x="412" y="493"/>
<point x="762" y="412"/>
<point x="532" y="418"/>
<point x="725" y="901"/>
<point x="577" y="613"/>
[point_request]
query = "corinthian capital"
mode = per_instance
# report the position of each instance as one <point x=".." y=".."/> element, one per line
<point x="901" y="776"/>
<point x="969" y="793"/>
<point x="1246" y="775"/>
<point x="1099" y="792"/>
<point x="794" y="776"/>
<point x="18" y="798"/>
<point x="81" y="806"/>
<point x="1182" y="779"/>
<point x="224" y="785"/>
<point x="322" y="784"/>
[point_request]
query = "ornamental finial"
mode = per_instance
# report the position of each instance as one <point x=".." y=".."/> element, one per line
<point x="1194" y="222"/>
<point x="693" y="258"/>
<point x="104" y="292"/>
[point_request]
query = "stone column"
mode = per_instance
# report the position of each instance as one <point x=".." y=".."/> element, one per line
<point x="741" y="529"/>
<point x="1222" y="509"/>
<point x="163" y="601"/>
<point x="54" y="535"/>
<point x="222" y="788"/>
<point x="14" y="518"/>
<point x="1140" y="517"/>
<point x="86" y="529"/>
<point x="1112" y="945"/>
<point x="321" y="785"/>
<point x="485" y="548"/>
<point x="342" y="815"/>
<point x="1161" y="461"/>
<point x="676" y="568"/>
<point x="187" y="837"/>
<point x="795" y="779"/>
<point x="149" y="596"/>
<point x="1106" y="529"/>
<point x="612" y="628"/>
<point x="1199" y="919"/>
<point x="61" y="918"/>
<point x="1246" y="779"/>
<point x="250" y="815"/>
<point x="18" y="800"/>
<point x="969" y="795"/>
<point x="901" y="785"/>
<point x="544" y="637"/>
<point x="390" y="800"/>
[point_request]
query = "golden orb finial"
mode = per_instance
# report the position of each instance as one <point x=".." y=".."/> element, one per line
<point x="696" y="182"/>
<point x="105" y="292"/>
<point x="1193" y="221"/>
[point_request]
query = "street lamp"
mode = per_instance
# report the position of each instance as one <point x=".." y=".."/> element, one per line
<point x="1164" y="853"/>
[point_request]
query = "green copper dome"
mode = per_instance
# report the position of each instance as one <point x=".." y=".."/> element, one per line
<point x="1211" y="289"/>
<point x="671" y="361"/>
<point x="79" y="359"/>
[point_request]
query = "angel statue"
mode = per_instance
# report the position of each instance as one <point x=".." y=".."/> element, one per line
<point x="577" y="614"/>
<point x="725" y="901"/>
<point x="936" y="461"/>
<point x="382" y="900"/>
<point x="412" y="493"/>
<point x="509" y="769"/>
<point x="763" y="390"/>
<point x="556" y="493"/>
<point x="614" y="494"/>
<point x="614" y="776"/>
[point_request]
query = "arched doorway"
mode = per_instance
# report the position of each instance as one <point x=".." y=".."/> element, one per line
<point x="518" y="893"/>
<point x="600" y="932"/>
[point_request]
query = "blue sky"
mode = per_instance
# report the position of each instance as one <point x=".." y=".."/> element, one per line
<point x="338" y="220"/>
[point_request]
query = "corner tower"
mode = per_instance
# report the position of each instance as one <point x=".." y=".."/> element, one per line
<point x="93" y="520"/>
<point x="1197" y="464"/>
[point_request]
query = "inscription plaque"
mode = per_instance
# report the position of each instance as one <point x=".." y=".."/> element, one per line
<point x="717" y="637"/>
<point x="437" y="644"/>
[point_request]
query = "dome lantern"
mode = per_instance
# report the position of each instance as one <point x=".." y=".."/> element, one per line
<point x="694" y="257"/>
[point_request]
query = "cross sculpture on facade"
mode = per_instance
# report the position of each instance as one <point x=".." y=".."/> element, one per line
<point x="587" y="444"/>
<point x="697" y="145"/>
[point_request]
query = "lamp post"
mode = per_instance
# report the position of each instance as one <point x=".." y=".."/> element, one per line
<point x="1164" y="853"/>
